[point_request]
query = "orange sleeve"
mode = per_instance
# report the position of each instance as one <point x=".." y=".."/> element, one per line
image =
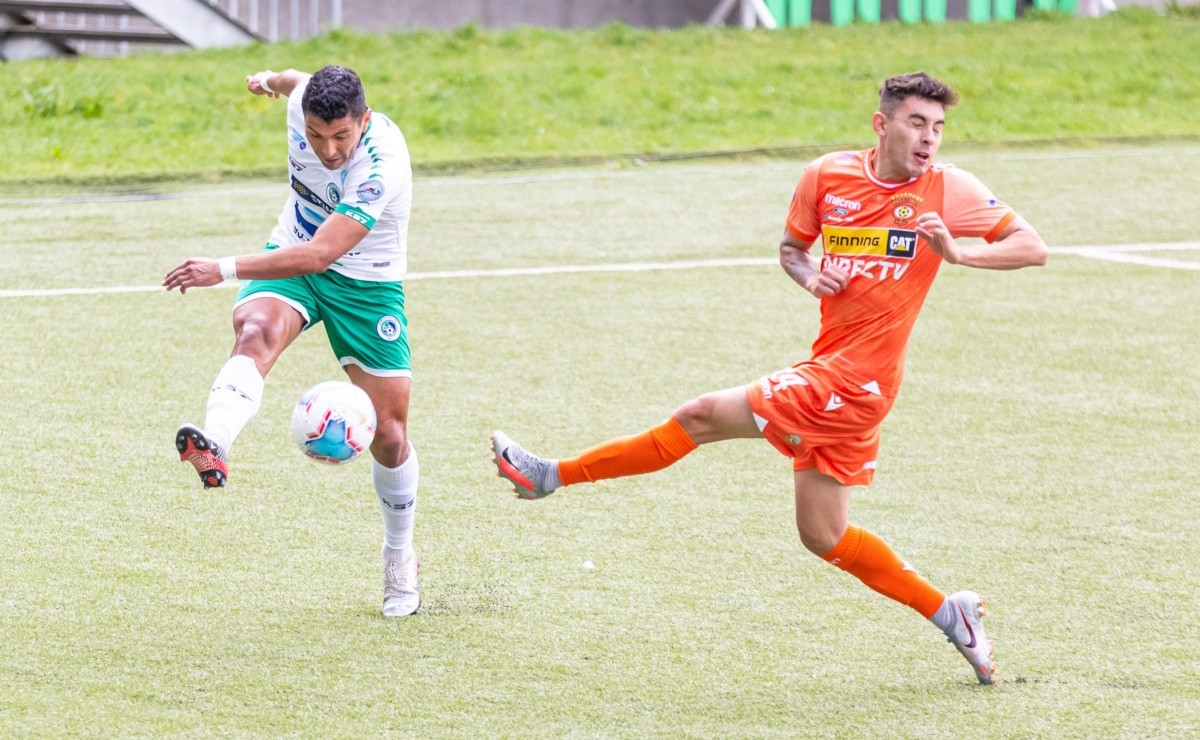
<point x="970" y="209"/>
<point x="803" y="221"/>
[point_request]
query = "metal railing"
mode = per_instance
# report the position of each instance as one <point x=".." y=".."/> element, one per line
<point x="284" y="19"/>
<point x="271" y="20"/>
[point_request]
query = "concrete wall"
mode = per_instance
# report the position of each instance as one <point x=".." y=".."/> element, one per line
<point x="373" y="15"/>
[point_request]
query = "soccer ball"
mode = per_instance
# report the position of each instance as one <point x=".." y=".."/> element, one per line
<point x="333" y="422"/>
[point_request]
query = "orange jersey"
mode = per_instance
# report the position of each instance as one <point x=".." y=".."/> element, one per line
<point x="867" y="228"/>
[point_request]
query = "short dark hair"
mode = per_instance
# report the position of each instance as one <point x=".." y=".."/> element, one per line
<point x="897" y="89"/>
<point x="334" y="92"/>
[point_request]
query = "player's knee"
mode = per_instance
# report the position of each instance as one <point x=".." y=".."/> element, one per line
<point x="390" y="446"/>
<point x="819" y="538"/>
<point x="257" y="337"/>
<point x="698" y="416"/>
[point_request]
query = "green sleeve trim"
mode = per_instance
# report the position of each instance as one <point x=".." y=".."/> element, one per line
<point x="357" y="214"/>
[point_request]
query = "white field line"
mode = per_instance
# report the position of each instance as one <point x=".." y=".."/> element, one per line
<point x="599" y="172"/>
<point x="1113" y="253"/>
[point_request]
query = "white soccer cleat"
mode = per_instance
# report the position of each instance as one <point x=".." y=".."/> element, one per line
<point x="401" y="597"/>
<point x="968" y="636"/>
<point x="532" y="477"/>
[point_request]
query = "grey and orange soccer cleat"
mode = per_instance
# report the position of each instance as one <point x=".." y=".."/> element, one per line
<point x="205" y="455"/>
<point x="532" y="477"/>
<point x="401" y="596"/>
<point x="968" y="636"/>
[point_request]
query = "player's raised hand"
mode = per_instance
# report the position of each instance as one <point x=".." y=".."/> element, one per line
<point x="197" y="272"/>
<point x="831" y="279"/>
<point x="933" y="230"/>
<point x="258" y="84"/>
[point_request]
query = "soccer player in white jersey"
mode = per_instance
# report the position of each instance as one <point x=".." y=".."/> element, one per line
<point x="338" y="255"/>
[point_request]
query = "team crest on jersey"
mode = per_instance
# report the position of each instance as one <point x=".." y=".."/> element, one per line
<point x="904" y="207"/>
<point x="334" y="195"/>
<point x="388" y="328"/>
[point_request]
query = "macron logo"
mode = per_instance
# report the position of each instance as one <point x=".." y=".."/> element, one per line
<point x="835" y="402"/>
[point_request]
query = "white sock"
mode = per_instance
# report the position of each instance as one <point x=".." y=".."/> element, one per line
<point x="235" y="398"/>
<point x="944" y="616"/>
<point x="397" y="491"/>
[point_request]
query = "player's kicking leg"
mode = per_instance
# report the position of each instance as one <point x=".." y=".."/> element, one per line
<point x="712" y="417"/>
<point x="263" y="325"/>
<point x="234" y="399"/>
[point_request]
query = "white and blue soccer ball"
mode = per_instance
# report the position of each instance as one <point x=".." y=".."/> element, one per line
<point x="333" y="422"/>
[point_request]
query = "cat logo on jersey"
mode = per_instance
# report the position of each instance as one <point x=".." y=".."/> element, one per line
<point x="867" y="242"/>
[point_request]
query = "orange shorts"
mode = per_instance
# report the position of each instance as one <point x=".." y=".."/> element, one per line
<point x="821" y="419"/>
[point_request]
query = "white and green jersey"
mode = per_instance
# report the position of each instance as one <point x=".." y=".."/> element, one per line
<point x="374" y="188"/>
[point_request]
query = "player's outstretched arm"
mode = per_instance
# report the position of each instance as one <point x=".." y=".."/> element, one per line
<point x="275" y="84"/>
<point x="1019" y="245"/>
<point x="797" y="262"/>
<point x="338" y="235"/>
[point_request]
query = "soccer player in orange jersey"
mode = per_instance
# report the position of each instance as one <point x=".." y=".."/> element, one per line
<point x="888" y="218"/>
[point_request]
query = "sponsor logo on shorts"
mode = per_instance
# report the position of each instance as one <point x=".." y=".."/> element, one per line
<point x="835" y="402"/>
<point x="794" y="440"/>
<point x="388" y="328"/>
<point x="370" y="191"/>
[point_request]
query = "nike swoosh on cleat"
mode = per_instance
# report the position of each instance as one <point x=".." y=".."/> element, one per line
<point x="510" y="471"/>
<point x="970" y="631"/>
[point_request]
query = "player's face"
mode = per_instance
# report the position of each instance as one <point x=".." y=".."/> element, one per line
<point x="333" y="141"/>
<point x="909" y="138"/>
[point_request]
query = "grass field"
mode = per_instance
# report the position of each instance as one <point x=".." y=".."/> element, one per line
<point x="1042" y="452"/>
<point x="533" y="95"/>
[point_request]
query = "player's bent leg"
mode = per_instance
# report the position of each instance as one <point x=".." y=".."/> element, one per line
<point x="263" y="328"/>
<point x="395" y="473"/>
<point x="822" y="506"/>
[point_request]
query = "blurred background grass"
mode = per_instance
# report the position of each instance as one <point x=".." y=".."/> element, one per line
<point x="472" y="97"/>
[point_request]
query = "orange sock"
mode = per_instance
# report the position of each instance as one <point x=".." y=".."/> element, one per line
<point x="869" y="559"/>
<point x="653" y="449"/>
